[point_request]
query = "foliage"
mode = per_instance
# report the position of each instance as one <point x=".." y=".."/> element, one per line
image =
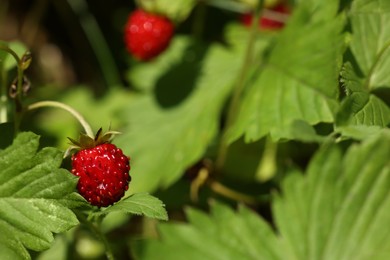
<point x="336" y="210"/>
<point x="34" y="196"/>
<point x="258" y="144"/>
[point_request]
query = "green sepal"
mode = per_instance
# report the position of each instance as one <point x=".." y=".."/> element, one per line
<point x="87" y="142"/>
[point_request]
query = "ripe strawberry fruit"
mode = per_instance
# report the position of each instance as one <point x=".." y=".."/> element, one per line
<point x="102" y="168"/>
<point x="147" y="35"/>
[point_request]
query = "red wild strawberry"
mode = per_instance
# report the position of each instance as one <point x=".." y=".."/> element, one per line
<point x="102" y="168"/>
<point x="147" y="35"/>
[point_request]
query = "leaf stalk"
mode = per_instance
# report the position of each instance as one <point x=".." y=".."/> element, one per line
<point x="237" y="92"/>
<point x="72" y="111"/>
<point x="97" y="232"/>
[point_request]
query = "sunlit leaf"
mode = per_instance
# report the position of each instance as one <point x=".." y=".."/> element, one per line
<point x="370" y="47"/>
<point x="32" y="195"/>
<point x="299" y="80"/>
<point x="358" y="132"/>
<point x="360" y="107"/>
<point x="370" y="40"/>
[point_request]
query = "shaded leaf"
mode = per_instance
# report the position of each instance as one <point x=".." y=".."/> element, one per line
<point x="32" y="192"/>
<point x="304" y="132"/>
<point x="145" y="76"/>
<point x="182" y="128"/>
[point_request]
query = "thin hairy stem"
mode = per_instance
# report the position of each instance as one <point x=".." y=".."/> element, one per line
<point x="237" y="92"/>
<point x="77" y="115"/>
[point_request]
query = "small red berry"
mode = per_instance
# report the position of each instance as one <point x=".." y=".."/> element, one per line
<point x="272" y="19"/>
<point x="102" y="168"/>
<point x="147" y="35"/>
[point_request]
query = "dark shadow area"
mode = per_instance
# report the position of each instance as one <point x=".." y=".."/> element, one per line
<point x="382" y="93"/>
<point x="7" y="133"/>
<point x="180" y="80"/>
<point x="344" y="4"/>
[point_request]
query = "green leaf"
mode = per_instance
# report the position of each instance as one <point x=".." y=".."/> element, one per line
<point x="338" y="209"/>
<point x="145" y="76"/>
<point x="222" y="235"/>
<point x="360" y="107"/>
<point x="139" y="204"/>
<point x="302" y="131"/>
<point x="238" y="35"/>
<point x="340" y="205"/>
<point x="8" y="253"/>
<point x="321" y="10"/>
<point x="32" y="192"/>
<point x="168" y="133"/>
<point x="358" y="132"/>
<point x="299" y="80"/>
<point x="370" y="40"/>
<point x="60" y="247"/>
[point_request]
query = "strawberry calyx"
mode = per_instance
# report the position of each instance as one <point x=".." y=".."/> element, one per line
<point x="86" y="141"/>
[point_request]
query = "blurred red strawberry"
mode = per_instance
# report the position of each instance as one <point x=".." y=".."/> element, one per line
<point x="271" y="19"/>
<point x="147" y="35"/>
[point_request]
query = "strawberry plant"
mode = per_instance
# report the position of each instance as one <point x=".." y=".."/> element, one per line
<point x="261" y="137"/>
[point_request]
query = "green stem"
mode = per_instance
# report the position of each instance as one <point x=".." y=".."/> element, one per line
<point x="95" y="230"/>
<point x="3" y="109"/>
<point x="10" y="51"/>
<point x="233" y="6"/>
<point x="19" y="86"/>
<point x="235" y="101"/>
<point x="18" y="98"/>
<point x="97" y="42"/>
<point x="199" y="20"/>
<point x="77" y="115"/>
<point x="232" y="194"/>
<point x="267" y="166"/>
<point x="3" y="95"/>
